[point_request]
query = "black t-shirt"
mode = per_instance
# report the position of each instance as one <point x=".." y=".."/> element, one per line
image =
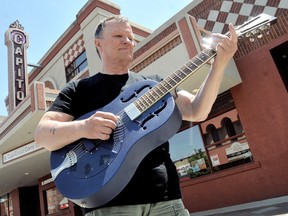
<point x="156" y="178"/>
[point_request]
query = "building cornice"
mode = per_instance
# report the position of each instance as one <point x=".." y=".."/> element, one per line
<point x="71" y="31"/>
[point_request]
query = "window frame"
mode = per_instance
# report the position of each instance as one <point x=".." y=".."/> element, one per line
<point x="76" y="66"/>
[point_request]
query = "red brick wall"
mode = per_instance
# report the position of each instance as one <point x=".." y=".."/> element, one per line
<point x="261" y="102"/>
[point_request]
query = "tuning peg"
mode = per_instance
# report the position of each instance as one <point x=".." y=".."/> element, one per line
<point x="250" y="36"/>
<point x="266" y="28"/>
<point x="251" y="39"/>
<point x="258" y="33"/>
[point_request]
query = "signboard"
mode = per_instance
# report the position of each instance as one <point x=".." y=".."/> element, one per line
<point x="183" y="170"/>
<point x="198" y="165"/>
<point x="20" y="152"/>
<point x="238" y="151"/>
<point x="215" y="160"/>
<point x="17" y="42"/>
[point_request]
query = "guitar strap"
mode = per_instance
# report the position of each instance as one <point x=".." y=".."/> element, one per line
<point x="134" y="77"/>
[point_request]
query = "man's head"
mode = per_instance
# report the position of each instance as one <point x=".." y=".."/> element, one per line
<point x="114" y="20"/>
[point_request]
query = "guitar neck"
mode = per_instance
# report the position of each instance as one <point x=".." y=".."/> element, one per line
<point x="249" y="29"/>
<point x="173" y="81"/>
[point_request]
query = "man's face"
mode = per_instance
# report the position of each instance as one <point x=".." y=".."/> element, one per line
<point x="117" y="43"/>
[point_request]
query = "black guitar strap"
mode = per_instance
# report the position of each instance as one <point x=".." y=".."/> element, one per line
<point x="134" y="77"/>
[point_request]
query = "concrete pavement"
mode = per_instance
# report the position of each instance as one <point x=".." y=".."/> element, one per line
<point x="270" y="207"/>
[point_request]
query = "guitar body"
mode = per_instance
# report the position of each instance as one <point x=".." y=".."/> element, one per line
<point x="106" y="167"/>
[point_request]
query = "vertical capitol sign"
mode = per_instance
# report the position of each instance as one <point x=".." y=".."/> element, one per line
<point x="17" y="42"/>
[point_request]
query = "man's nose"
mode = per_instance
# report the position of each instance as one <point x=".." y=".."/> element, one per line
<point x="128" y="40"/>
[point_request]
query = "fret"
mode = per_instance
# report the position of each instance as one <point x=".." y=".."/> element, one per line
<point x="147" y="99"/>
<point x="199" y="58"/>
<point x="182" y="73"/>
<point x="143" y="101"/>
<point x="155" y="93"/>
<point x="192" y="65"/>
<point x="167" y="84"/>
<point x="175" y="77"/>
<point x="210" y="53"/>
<point x="153" y="97"/>
<point x="192" y="62"/>
<point x="207" y="54"/>
<point x="204" y="57"/>
<point x="198" y="61"/>
<point x="159" y="90"/>
<point x="163" y="86"/>
<point x="136" y="103"/>
<point x="140" y="106"/>
<point x="188" y="68"/>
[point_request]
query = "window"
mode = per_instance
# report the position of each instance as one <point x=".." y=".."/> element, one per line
<point x="215" y="144"/>
<point x="76" y="66"/>
<point x="49" y="84"/>
<point x="229" y="127"/>
<point x="280" y="56"/>
<point x="188" y="153"/>
<point x="232" y="149"/>
<point x="55" y="202"/>
<point x="6" y="207"/>
<point x="238" y="126"/>
<point x="212" y="135"/>
<point x="223" y="103"/>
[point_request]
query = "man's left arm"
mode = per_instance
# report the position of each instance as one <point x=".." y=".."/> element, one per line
<point x="196" y="108"/>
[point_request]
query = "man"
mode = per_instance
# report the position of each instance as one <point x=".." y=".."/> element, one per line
<point x="154" y="189"/>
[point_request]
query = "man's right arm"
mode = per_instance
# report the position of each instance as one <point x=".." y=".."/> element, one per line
<point x="56" y="130"/>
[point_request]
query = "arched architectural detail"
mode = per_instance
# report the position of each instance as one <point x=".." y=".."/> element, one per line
<point x="227" y="124"/>
<point x="212" y="134"/>
<point x="50" y="83"/>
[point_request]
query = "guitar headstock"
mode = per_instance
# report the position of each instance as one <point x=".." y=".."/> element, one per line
<point x="255" y="27"/>
<point x="250" y="29"/>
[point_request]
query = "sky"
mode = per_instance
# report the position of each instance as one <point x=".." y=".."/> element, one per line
<point x="186" y="143"/>
<point x="46" y="21"/>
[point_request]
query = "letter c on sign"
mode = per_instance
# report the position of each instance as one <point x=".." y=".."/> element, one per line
<point x="18" y="38"/>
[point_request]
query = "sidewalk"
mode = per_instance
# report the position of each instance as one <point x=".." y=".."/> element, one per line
<point x="270" y="207"/>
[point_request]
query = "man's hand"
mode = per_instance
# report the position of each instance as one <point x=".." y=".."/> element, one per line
<point x="100" y="125"/>
<point x="226" y="46"/>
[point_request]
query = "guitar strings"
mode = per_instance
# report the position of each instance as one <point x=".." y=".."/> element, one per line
<point x="80" y="149"/>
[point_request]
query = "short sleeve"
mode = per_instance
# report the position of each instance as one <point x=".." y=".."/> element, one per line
<point x="64" y="100"/>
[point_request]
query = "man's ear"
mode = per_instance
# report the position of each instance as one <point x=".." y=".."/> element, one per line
<point x="97" y="43"/>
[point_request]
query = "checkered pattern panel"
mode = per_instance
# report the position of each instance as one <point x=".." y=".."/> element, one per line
<point x="74" y="51"/>
<point x="237" y="12"/>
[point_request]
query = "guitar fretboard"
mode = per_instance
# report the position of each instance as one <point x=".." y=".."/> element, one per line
<point x="175" y="79"/>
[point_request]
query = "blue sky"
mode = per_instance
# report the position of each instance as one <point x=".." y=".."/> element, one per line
<point x="45" y="21"/>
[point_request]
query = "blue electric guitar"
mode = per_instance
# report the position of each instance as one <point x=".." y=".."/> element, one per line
<point x="93" y="172"/>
